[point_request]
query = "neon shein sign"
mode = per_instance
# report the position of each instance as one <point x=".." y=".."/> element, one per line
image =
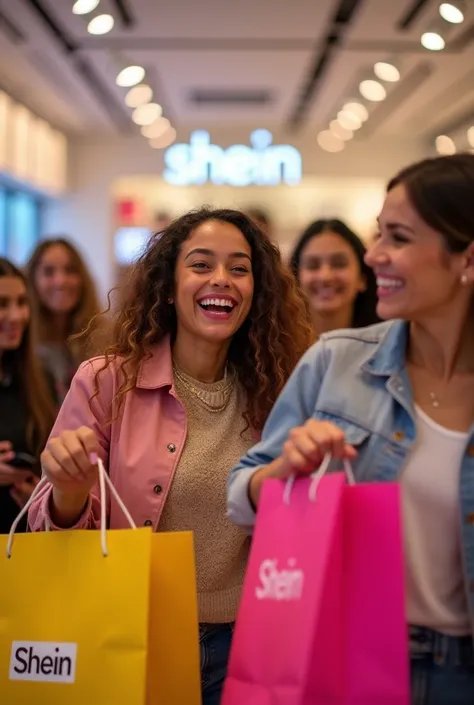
<point x="261" y="164"/>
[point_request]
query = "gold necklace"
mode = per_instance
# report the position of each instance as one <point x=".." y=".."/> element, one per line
<point x="200" y="394"/>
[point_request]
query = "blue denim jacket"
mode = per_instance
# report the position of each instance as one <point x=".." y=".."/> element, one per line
<point x="356" y="379"/>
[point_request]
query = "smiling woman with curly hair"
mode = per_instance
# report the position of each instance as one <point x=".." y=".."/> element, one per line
<point x="210" y="328"/>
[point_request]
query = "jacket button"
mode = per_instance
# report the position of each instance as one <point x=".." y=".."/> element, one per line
<point x="398" y="436"/>
<point x="148" y="522"/>
<point x="470" y="451"/>
<point x="171" y="447"/>
<point x="157" y="489"/>
<point x="470" y="519"/>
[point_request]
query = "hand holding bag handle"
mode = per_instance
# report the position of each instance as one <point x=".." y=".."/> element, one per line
<point x="104" y="482"/>
<point x="317" y="477"/>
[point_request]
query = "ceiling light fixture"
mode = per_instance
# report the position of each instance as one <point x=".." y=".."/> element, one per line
<point x="387" y="71"/>
<point x="167" y="138"/>
<point x="452" y="12"/>
<point x="130" y="76"/>
<point x="138" y="95"/>
<point x="147" y="114"/>
<point x="357" y="109"/>
<point x="445" y="145"/>
<point x="83" y="7"/>
<point x="372" y="90"/>
<point x="433" y="41"/>
<point x="102" y="24"/>
<point x="349" y="120"/>
<point x="470" y="136"/>
<point x="343" y="133"/>
<point x="329" y="142"/>
<point x="156" y="129"/>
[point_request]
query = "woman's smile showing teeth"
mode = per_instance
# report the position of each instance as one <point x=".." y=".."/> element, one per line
<point x="387" y="286"/>
<point x="217" y="307"/>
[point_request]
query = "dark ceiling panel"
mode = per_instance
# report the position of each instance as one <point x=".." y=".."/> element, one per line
<point x="345" y="12"/>
<point x="124" y="11"/>
<point x="411" y="15"/>
<point x="53" y="25"/>
<point x="10" y="29"/>
<point x="196" y="44"/>
<point x="324" y="55"/>
<point x="224" y="96"/>
<point x="83" y="68"/>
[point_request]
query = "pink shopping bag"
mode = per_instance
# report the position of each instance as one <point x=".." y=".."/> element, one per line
<point x="322" y="618"/>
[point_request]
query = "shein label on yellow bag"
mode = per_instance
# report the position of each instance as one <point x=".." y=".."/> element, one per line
<point x="43" y="661"/>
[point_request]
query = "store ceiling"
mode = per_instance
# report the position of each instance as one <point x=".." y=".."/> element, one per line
<point x="287" y="64"/>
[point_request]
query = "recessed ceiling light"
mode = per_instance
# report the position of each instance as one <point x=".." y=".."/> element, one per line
<point x="433" y="41"/>
<point x="146" y="114"/>
<point x="130" y="76"/>
<point x="452" y="12"/>
<point x="386" y="72"/>
<point x="357" y="109"/>
<point x="164" y="140"/>
<point x="470" y="136"/>
<point x="329" y="142"/>
<point x="372" y="90"/>
<point x="445" y="145"/>
<point x="156" y="129"/>
<point x="339" y="131"/>
<point x="349" y="120"/>
<point x="138" y="95"/>
<point x="102" y="24"/>
<point x="83" y="7"/>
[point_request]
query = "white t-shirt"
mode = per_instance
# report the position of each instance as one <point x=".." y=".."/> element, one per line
<point x="436" y="595"/>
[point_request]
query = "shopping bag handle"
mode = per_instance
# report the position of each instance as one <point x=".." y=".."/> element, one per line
<point x="104" y="483"/>
<point x="317" y="477"/>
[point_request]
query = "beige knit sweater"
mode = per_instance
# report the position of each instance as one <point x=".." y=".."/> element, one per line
<point x="197" y="498"/>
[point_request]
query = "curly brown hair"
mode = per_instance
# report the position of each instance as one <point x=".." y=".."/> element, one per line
<point x="263" y="352"/>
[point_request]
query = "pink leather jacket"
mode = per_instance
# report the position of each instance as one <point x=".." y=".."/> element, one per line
<point x="140" y="449"/>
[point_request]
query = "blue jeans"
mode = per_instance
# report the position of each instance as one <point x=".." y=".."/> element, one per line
<point x="442" y="668"/>
<point x="214" y="642"/>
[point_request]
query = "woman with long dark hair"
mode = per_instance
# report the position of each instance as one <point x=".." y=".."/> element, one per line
<point x="328" y="262"/>
<point x="397" y="400"/>
<point x="208" y="333"/>
<point x="64" y="301"/>
<point x="27" y="410"/>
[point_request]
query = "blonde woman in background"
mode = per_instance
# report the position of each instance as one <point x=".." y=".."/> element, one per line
<point x="63" y="300"/>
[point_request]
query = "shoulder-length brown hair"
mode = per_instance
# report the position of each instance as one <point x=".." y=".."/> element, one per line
<point x="22" y="363"/>
<point x="86" y="309"/>
<point x="264" y="351"/>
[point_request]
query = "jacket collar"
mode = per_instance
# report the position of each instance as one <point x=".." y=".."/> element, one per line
<point x="156" y="370"/>
<point x="389" y="357"/>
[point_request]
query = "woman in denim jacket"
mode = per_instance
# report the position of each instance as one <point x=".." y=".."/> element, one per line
<point x="397" y="399"/>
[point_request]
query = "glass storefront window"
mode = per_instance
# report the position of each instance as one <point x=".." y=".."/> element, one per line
<point x="3" y="222"/>
<point x="20" y="216"/>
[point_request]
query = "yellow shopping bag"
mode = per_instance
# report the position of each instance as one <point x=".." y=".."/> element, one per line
<point x="78" y="610"/>
<point x="74" y="615"/>
<point x="173" y="658"/>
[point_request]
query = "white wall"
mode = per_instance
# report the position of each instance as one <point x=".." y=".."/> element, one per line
<point x="98" y="169"/>
<point x="357" y="201"/>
